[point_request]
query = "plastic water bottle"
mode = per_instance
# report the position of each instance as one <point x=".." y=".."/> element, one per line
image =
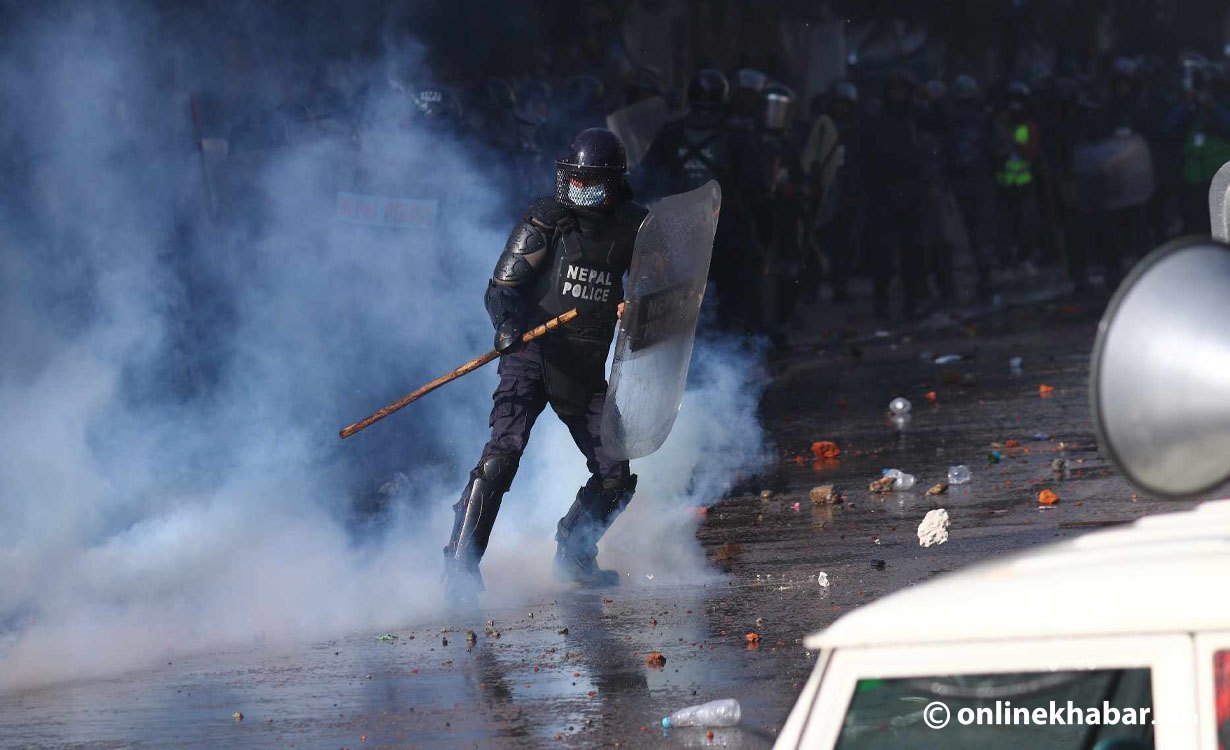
<point x="958" y="474"/>
<point x="723" y="713"/>
<point x="901" y="480"/>
<point x="899" y="406"/>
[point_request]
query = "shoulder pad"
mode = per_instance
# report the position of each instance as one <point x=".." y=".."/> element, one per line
<point x="546" y="212"/>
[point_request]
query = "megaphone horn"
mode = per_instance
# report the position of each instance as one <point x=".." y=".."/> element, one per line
<point x="1160" y="378"/>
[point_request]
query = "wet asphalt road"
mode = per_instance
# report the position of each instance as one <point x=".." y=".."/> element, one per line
<point x="537" y="685"/>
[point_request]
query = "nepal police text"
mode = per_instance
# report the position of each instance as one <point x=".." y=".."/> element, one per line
<point x="587" y="283"/>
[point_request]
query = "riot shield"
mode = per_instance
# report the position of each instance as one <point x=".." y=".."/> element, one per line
<point x="1219" y="203"/>
<point x="670" y="264"/>
<point x="1113" y="173"/>
<point x="637" y="125"/>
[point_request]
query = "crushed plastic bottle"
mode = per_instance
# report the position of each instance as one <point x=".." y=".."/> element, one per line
<point x="899" y="406"/>
<point x="958" y="474"/>
<point x="901" y="480"/>
<point x="721" y="713"/>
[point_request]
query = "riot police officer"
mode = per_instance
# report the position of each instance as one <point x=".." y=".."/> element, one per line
<point x="571" y="250"/>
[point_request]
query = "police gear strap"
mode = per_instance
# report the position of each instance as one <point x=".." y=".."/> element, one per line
<point x="465" y="369"/>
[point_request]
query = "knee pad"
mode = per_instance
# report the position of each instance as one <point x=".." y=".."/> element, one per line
<point x="499" y="469"/>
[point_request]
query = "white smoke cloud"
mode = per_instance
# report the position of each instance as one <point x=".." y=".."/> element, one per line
<point x="171" y="479"/>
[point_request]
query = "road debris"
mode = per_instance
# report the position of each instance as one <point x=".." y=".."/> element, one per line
<point x="1045" y="390"/>
<point x="471" y="638"/>
<point x="720" y="713"/>
<point x="387" y="637"/>
<point x="901" y="480"/>
<point x="752" y="637"/>
<point x="655" y="660"/>
<point x="824" y="494"/>
<point x="237" y="716"/>
<point x="728" y="551"/>
<point x="563" y="631"/>
<point x="879" y="564"/>
<point x="882" y="485"/>
<point x="948" y="359"/>
<point x="959" y="474"/>
<point x="822" y="578"/>
<point x="931" y="395"/>
<point x="934" y="528"/>
<point x="938" y="489"/>
<point x="1047" y="497"/>
<point x="994" y="457"/>
<point x="823" y="449"/>
<point x="1059" y="466"/>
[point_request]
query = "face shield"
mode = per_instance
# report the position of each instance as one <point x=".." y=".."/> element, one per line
<point x="587" y="187"/>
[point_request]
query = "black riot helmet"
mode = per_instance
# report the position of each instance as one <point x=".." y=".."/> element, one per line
<point x="708" y="89"/>
<point x="776" y="106"/>
<point x="591" y="177"/>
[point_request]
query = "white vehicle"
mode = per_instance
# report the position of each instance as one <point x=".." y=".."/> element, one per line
<point x="1116" y="640"/>
<point x="1134" y="619"/>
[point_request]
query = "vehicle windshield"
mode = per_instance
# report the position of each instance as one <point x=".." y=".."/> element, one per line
<point x="1110" y="709"/>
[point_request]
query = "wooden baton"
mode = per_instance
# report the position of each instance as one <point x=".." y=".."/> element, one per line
<point x="468" y="367"/>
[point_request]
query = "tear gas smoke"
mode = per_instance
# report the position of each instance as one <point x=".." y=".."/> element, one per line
<point x="171" y="477"/>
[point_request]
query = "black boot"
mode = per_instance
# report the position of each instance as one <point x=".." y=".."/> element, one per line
<point x="475" y="515"/>
<point x="592" y="513"/>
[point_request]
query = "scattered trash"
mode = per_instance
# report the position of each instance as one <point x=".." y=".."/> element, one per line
<point x="237" y="716"/>
<point x="1014" y="365"/>
<point x="879" y="564"/>
<point x="563" y="631"/>
<point x="934" y="528"/>
<point x="795" y="507"/>
<point x="822" y="578"/>
<point x="899" y="405"/>
<point x="994" y="457"/>
<point x="387" y="637"/>
<point x="938" y="489"/>
<point x="948" y="359"/>
<point x="1041" y="436"/>
<point x="958" y="474"/>
<point x="752" y="637"/>
<point x="1045" y="390"/>
<point x="766" y="494"/>
<point x="443" y="641"/>
<point x="471" y="638"/>
<point x="1059" y="465"/>
<point x="760" y="622"/>
<point x="728" y="551"/>
<point x="1046" y="497"/>
<point x="901" y="480"/>
<point x="655" y="660"/>
<point x="825" y="449"/>
<point x="882" y="485"/>
<point x="722" y="713"/>
<point x="825" y="493"/>
<point x="930" y="395"/>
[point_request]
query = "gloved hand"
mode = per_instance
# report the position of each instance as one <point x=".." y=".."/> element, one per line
<point x="508" y="335"/>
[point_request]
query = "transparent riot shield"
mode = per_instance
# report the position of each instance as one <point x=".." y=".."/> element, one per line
<point x="1114" y="173"/>
<point x="666" y="284"/>
<point x="637" y="125"/>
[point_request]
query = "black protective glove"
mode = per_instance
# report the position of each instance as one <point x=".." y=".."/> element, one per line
<point x="508" y="335"/>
